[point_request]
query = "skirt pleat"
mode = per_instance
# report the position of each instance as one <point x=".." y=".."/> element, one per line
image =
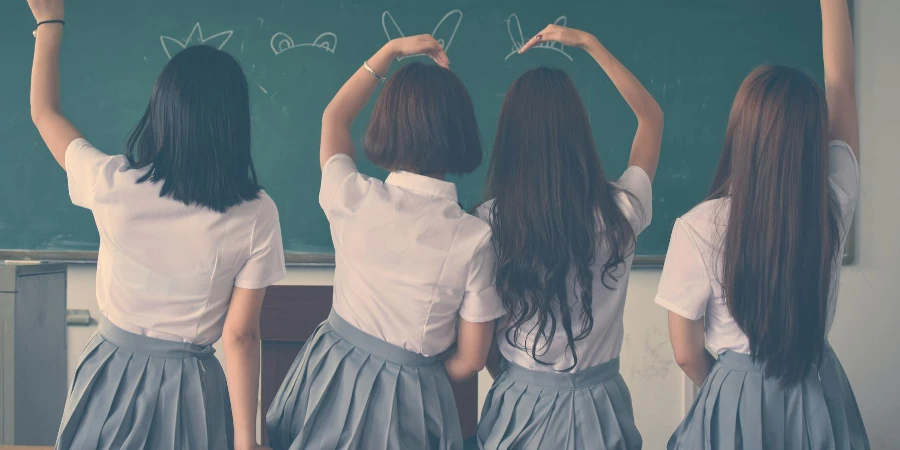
<point x="527" y="409"/>
<point x="350" y="390"/>
<point x="738" y="407"/>
<point x="136" y="392"/>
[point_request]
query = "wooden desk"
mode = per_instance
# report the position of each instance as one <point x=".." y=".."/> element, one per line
<point x="290" y="314"/>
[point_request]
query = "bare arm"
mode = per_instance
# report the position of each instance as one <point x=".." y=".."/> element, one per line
<point x="472" y="349"/>
<point x="494" y="359"/>
<point x="648" y="138"/>
<point x="55" y="130"/>
<point x="689" y="343"/>
<point x="355" y="93"/>
<point x="240" y="337"/>
<point x="840" y="78"/>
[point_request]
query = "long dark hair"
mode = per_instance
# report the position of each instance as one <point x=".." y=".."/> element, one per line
<point x="554" y="211"/>
<point x="782" y="234"/>
<point x="195" y="133"/>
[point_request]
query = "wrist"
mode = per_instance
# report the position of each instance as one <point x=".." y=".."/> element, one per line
<point x="588" y="41"/>
<point x="245" y="444"/>
<point x="390" y="50"/>
<point x="38" y="18"/>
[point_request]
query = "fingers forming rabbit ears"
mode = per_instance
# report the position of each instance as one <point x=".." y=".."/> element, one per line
<point x="514" y="28"/>
<point x="444" y="31"/>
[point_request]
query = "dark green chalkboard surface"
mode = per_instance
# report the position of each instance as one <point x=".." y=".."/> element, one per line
<point x="691" y="55"/>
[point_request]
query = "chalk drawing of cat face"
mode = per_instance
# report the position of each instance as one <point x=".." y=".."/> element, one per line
<point x="172" y="46"/>
<point x="518" y="39"/>
<point x="281" y="42"/>
<point x="444" y="31"/>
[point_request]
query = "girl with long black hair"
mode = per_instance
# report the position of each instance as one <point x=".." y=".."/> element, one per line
<point x="564" y="236"/>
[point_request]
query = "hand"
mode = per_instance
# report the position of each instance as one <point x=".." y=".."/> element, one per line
<point x="563" y="35"/>
<point x="47" y="9"/>
<point x="422" y="44"/>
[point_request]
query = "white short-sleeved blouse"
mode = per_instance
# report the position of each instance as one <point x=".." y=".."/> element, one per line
<point x="165" y="269"/>
<point x="605" y="340"/>
<point x="408" y="260"/>
<point x="690" y="284"/>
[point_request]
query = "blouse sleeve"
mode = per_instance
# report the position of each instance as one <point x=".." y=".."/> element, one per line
<point x="843" y="178"/>
<point x="84" y="166"/>
<point x="684" y="287"/>
<point x="638" y="198"/>
<point x="481" y="303"/>
<point x="265" y="266"/>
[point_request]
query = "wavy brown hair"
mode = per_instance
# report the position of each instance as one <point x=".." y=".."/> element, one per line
<point x="554" y="210"/>
<point x="782" y="234"/>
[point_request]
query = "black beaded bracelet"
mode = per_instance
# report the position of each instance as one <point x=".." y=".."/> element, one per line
<point x="34" y="33"/>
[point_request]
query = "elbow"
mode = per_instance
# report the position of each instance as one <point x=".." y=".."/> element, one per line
<point x="653" y="116"/>
<point x="241" y="337"/>
<point x="477" y="366"/>
<point x="686" y="360"/>
<point x="465" y="369"/>
<point x="328" y="114"/>
<point x="683" y="361"/>
<point x="37" y="115"/>
<point x="332" y="115"/>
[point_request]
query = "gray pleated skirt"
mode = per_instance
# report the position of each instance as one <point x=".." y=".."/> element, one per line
<point x="138" y="392"/>
<point x="350" y="390"/>
<point x="588" y="409"/>
<point x="738" y="407"/>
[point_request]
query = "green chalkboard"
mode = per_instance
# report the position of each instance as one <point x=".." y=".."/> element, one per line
<point x="691" y="55"/>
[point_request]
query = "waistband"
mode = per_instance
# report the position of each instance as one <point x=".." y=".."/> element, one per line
<point x="146" y="345"/>
<point x="584" y="378"/>
<point x="745" y="363"/>
<point x="376" y="346"/>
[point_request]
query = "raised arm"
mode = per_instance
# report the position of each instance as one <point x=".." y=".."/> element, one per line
<point x="55" y="130"/>
<point x="840" y="77"/>
<point x="648" y="138"/>
<point x="353" y="96"/>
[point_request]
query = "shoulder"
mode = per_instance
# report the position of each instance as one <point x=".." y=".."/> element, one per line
<point x="483" y="211"/>
<point x="261" y="210"/>
<point x="706" y="221"/>
<point x="473" y="229"/>
<point x="80" y="154"/>
<point x="265" y="204"/>
<point x="705" y="210"/>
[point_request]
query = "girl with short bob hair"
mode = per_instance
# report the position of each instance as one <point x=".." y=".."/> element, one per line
<point x="752" y="273"/>
<point x="413" y="271"/>
<point x="188" y="244"/>
<point x="565" y="236"/>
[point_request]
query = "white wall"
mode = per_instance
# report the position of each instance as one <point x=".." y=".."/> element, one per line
<point x="864" y="335"/>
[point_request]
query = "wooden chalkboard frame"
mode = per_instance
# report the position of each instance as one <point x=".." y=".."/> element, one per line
<point x="321" y="259"/>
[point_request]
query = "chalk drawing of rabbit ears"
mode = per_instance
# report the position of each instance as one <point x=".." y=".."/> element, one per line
<point x="444" y="31"/>
<point x="172" y="46"/>
<point x="281" y="42"/>
<point x="518" y="39"/>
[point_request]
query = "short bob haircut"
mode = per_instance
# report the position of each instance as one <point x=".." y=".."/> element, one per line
<point x="195" y="133"/>
<point x="424" y="122"/>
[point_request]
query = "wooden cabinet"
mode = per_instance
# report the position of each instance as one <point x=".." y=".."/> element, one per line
<point x="32" y="352"/>
<point x="290" y="314"/>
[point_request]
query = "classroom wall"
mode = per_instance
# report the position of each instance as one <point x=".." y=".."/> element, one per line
<point x="864" y="333"/>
